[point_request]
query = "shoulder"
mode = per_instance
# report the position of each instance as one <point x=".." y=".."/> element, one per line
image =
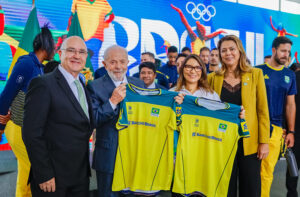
<point x="136" y="81"/>
<point x="25" y="63"/>
<point x="289" y="72"/>
<point x="98" y="82"/>
<point x="261" y="66"/>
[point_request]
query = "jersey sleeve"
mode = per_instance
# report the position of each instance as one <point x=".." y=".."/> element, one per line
<point x="123" y="118"/>
<point x="293" y="88"/>
<point x="19" y="77"/>
<point x="243" y="129"/>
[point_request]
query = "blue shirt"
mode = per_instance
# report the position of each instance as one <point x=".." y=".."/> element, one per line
<point x="26" y="68"/>
<point x="279" y="84"/>
<point x="171" y="72"/>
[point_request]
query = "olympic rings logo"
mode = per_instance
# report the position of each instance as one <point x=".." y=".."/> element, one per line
<point x="200" y="11"/>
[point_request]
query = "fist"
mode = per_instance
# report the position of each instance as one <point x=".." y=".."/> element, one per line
<point x="118" y="94"/>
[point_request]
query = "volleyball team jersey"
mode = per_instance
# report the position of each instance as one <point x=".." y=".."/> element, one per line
<point x="207" y="146"/>
<point x="279" y="84"/>
<point x="144" y="161"/>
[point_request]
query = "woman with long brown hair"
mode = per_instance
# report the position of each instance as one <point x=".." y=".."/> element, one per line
<point x="238" y="83"/>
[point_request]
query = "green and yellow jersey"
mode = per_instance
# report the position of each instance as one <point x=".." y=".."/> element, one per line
<point x="144" y="161"/>
<point x="207" y="145"/>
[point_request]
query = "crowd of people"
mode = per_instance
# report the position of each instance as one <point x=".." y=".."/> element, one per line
<point x="49" y="118"/>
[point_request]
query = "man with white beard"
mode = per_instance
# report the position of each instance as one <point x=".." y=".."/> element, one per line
<point x="107" y="92"/>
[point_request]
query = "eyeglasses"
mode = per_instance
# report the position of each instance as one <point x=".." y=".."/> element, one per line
<point x="190" y="68"/>
<point x="73" y="51"/>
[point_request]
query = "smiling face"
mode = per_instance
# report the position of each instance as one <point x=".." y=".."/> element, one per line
<point x="147" y="75"/>
<point x="73" y="55"/>
<point x="116" y="63"/>
<point x="230" y="53"/>
<point x="192" y="71"/>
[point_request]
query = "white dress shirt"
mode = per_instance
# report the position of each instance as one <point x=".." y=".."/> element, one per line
<point x="71" y="82"/>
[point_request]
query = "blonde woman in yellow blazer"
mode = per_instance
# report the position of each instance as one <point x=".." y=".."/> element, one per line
<point x="248" y="83"/>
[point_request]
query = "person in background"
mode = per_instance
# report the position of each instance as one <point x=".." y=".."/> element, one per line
<point x="107" y="92"/>
<point x="186" y="50"/>
<point x="100" y="72"/>
<point x="204" y="56"/>
<point x="26" y="68"/>
<point x="161" y="78"/>
<point x="291" y="182"/>
<point x="288" y="62"/>
<point x="179" y="60"/>
<point x="170" y="68"/>
<point x="239" y="83"/>
<point x="281" y="90"/>
<point x="267" y="58"/>
<point x="51" y="66"/>
<point x="148" y="74"/>
<point x="214" y="61"/>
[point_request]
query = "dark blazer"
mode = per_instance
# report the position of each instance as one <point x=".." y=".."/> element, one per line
<point x="56" y="131"/>
<point x="105" y="121"/>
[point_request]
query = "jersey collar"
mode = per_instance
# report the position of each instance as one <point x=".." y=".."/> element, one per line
<point x="277" y="69"/>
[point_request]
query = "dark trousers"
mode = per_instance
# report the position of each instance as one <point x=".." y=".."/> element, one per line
<point x="291" y="182"/>
<point x="247" y="170"/>
<point x="104" y="183"/>
<point x="79" y="190"/>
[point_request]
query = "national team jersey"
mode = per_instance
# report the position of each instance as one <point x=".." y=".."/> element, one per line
<point x="144" y="161"/>
<point x="207" y="146"/>
<point x="279" y="84"/>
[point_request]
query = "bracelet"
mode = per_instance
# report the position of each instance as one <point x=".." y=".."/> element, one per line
<point x="293" y="132"/>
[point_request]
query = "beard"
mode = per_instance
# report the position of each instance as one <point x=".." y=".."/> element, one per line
<point x="280" y="61"/>
<point x="116" y="78"/>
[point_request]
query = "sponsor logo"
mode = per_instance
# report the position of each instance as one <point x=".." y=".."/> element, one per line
<point x="266" y="76"/>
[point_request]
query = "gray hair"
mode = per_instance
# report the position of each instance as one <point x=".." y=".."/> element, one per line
<point x="107" y="51"/>
<point x="64" y="44"/>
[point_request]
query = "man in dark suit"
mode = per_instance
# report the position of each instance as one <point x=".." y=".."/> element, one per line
<point x="107" y="92"/>
<point x="57" y="126"/>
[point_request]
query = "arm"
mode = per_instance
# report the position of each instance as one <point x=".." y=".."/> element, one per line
<point x="186" y="24"/>
<point x="212" y="35"/>
<point x="273" y="25"/>
<point x="290" y="108"/>
<point x="36" y="109"/>
<point x="262" y="117"/>
<point x="291" y="34"/>
<point x="19" y="77"/>
<point x="105" y="110"/>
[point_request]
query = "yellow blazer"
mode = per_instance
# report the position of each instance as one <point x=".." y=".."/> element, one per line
<point x="254" y="100"/>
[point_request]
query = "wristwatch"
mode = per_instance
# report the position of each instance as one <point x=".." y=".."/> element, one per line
<point x="293" y="132"/>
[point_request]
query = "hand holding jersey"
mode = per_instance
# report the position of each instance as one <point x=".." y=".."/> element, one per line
<point x="118" y="94"/>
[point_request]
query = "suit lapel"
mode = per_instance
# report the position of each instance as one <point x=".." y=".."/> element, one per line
<point x="69" y="94"/>
<point x="218" y="84"/>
